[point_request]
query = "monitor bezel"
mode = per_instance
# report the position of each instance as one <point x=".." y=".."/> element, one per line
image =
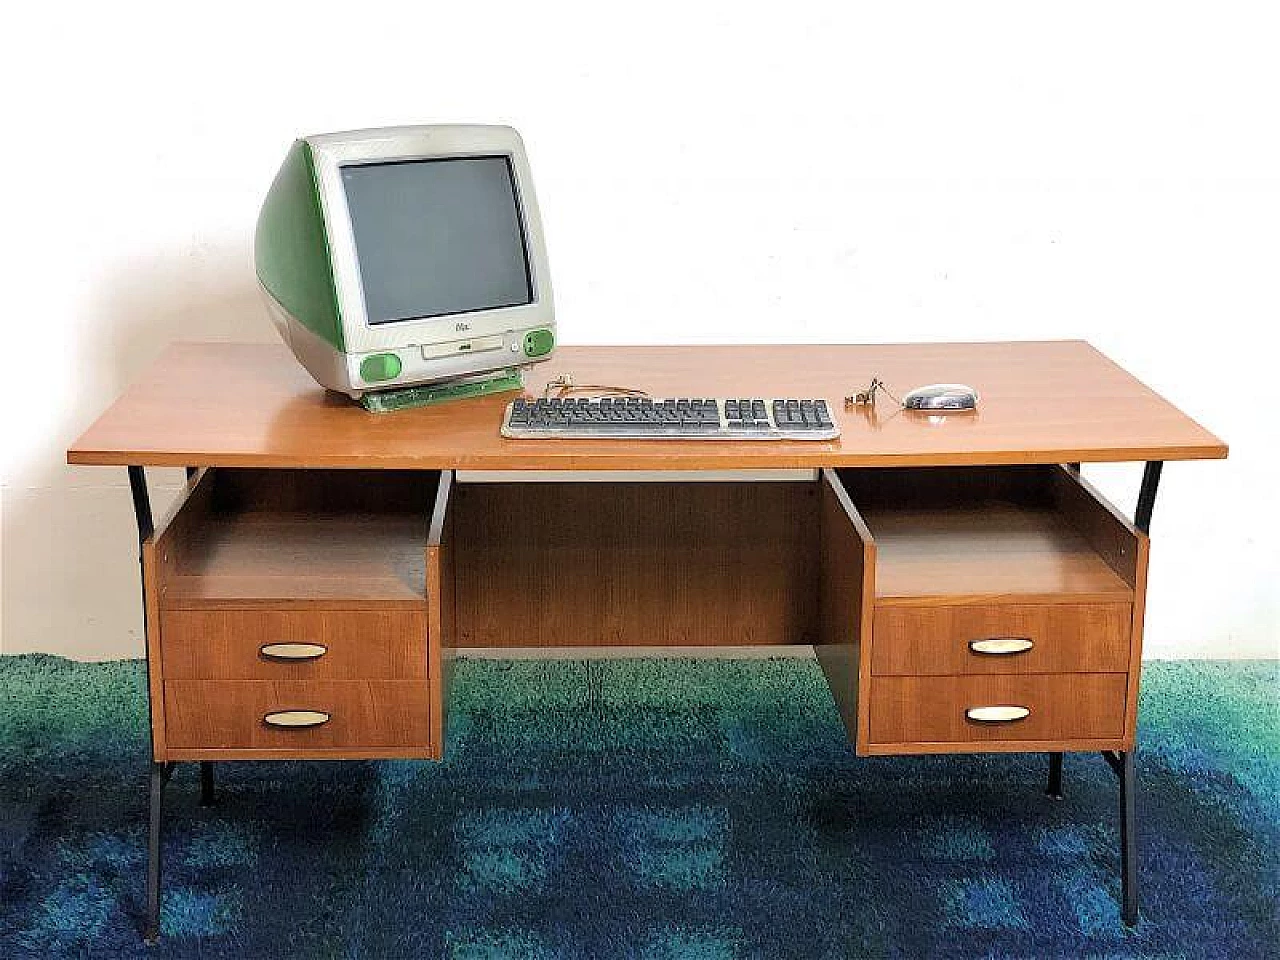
<point x="332" y="152"/>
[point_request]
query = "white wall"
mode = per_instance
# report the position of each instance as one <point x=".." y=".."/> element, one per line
<point x="707" y="172"/>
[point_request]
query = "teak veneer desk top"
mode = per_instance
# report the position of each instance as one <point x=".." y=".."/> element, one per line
<point x="962" y="585"/>
<point x="224" y="404"/>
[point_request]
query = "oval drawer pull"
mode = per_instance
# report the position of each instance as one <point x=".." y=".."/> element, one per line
<point x="1001" y="646"/>
<point x="296" y="718"/>
<point x="293" y="651"/>
<point x="997" y="714"/>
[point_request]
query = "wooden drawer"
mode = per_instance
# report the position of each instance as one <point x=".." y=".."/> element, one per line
<point x="230" y="714"/>
<point x="1041" y="638"/>
<point x="1061" y="707"/>
<point x="227" y="644"/>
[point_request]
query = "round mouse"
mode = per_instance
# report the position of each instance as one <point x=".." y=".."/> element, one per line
<point x="942" y="396"/>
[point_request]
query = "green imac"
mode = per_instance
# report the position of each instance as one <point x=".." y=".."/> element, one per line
<point x="403" y="256"/>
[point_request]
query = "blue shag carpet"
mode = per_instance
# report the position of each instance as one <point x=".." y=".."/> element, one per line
<point x="640" y="809"/>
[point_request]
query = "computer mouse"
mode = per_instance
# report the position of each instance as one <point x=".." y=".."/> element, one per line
<point x="942" y="396"/>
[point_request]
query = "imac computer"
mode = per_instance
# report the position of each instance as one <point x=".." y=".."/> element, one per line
<point x="404" y="256"/>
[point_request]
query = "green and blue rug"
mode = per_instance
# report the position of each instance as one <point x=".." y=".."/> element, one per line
<point x="640" y="809"/>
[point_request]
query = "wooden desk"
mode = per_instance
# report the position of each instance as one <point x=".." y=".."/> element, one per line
<point x="969" y="593"/>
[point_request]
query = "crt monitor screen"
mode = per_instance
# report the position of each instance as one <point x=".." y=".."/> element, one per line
<point x="436" y="237"/>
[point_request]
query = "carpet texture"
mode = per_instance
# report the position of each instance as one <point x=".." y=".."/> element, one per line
<point x="642" y="809"/>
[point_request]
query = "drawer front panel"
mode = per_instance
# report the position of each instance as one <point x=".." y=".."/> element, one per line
<point x="1004" y="638"/>
<point x="1081" y="706"/>
<point x="301" y="644"/>
<point x="311" y="715"/>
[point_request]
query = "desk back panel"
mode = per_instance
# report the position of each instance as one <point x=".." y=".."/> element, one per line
<point x="636" y="564"/>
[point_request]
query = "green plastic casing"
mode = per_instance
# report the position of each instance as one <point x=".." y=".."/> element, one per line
<point x="538" y="343"/>
<point x="388" y="401"/>
<point x="380" y="366"/>
<point x="291" y="248"/>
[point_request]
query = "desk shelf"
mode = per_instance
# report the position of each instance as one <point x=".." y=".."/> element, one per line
<point x="245" y="536"/>
<point x="237" y="559"/>
<point x="992" y="533"/>
<point x="985" y="552"/>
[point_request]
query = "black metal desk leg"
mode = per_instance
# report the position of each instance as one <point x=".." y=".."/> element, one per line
<point x="141" y="506"/>
<point x="1147" y="495"/>
<point x="159" y="771"/>
<point x="1054" y="789"/>
<point x="1128" y="841"/>
<point x="206" y="783"/>
<point x="1122" y="763"/>
<point x="151" y="932"/>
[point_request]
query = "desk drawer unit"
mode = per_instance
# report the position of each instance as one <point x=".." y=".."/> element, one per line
<point x="976" y="609"/>
<point x="300" y="615"/>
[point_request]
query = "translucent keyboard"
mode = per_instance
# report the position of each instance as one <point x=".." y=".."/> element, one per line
<point x="683" y="418"/>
